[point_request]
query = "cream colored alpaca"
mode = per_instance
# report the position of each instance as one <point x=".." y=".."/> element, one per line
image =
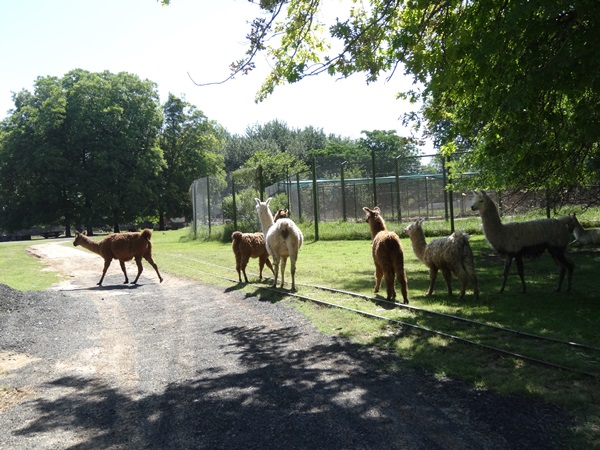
<point x="451" y="255"/>
<point x="282" y="238"/>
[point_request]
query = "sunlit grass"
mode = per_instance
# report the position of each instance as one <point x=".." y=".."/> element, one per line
<point x="22" y="271"/>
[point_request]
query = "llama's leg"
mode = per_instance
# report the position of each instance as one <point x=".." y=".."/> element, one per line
<point x="138" y="262"/>
<point x="283" y="263"/>
<point x="268" y="263"/>
<point x="390" y="284"/>
<point x="275" y="270"/>
<point x="106" y="266"/>
<point x="243" y="266"/>
<point x="463" y="278"/>
<point x="565" y="265"/>
<point x="433" y="271"/>
<point x="153" y="264"/>
<point x="122" y="263"/>
<point x="520" y="271"/>
<point x="378" y="277"/>
<point x="261" y="266"/>
<point x="401" y="274"/>
<point x="448" y="279"/>
<point x="507" y="263"/>
<point x="238" y="267"/>
<point x="293" y="270"/>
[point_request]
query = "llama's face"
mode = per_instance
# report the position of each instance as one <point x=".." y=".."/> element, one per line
<point x="371" y="213"/>
<point x="78" y="238"/>
<point x="479" y="201"/>
<point x="413" y="227"/>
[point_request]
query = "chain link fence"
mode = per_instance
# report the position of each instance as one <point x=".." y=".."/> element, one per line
<point x="334" y="190"/>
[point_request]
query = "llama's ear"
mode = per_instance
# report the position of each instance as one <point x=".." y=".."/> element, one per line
<point x="257" y="201"/>
<point x="84" y="232"/>
<point x="268" y="201"/>
<point x="377" y="210"/>
<point x="367" y="210"/>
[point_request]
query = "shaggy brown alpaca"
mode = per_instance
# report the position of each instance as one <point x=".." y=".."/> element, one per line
<point x="121" y="246"/>
<point x="451" y="255"/>
<point x="388" y="256"/>
<point x="246" y="246"/>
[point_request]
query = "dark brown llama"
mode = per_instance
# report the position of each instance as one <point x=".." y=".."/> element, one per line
<point x="246" y="246"/>
<point x="121" y="246"/>
<point x="388" y="256"/>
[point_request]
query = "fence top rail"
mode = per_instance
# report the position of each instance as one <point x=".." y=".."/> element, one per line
<point x="378" y="180"/>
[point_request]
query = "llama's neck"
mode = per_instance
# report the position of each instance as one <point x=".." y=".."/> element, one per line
<point x="266" y="219"/>
<point x="417" y="238"/>
<point x="490" y="220"/>
<point x="88" y="244"/>
<point x="578" y="230"/>
<point x="377" y="225"/>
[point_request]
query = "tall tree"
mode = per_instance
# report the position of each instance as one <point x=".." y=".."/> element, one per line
<point x="386" y="146"/>
<point x="192" y="147"/>
<point x="515" y="82"/>
<point x="81" y="149"/>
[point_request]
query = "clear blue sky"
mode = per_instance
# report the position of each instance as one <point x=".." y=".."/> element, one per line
<point x="163" y="44"/>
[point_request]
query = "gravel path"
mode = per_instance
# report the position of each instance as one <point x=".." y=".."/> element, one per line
<point x="184" y="365"/>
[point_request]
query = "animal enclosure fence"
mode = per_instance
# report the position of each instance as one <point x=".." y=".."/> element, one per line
<point x="327" y="194"/>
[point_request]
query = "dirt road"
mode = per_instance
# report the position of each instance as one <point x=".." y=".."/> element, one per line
<point x="183" y="365"/>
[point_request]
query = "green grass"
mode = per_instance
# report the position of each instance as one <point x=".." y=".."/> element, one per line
<point x="347" y="265"/>
<point x="20" y="270"/>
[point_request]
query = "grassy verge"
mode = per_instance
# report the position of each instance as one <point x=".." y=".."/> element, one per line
<point x="21" y="271"/>
<point x="347" y="265"/>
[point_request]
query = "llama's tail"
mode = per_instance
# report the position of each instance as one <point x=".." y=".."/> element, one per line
<point x="284" y="229"/>
<point x="236" y="238"/>
<point x="147" y="234"/>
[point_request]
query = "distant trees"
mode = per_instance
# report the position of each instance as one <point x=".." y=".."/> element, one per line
<point x="86" y="149"/>
<point x="192" y="148"/>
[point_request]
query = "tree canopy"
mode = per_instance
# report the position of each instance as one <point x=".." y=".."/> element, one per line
<point x="85" y="149"/>
<point x="514" y="83"/>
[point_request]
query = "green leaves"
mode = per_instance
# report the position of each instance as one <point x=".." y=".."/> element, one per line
<point x="84" y="147"/>
<point x="515" y="82"/>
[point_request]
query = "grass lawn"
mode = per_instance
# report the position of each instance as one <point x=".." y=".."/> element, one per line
<point x="348" y="265"/>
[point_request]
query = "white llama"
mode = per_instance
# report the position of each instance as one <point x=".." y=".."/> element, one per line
<point x="282" y="238"/>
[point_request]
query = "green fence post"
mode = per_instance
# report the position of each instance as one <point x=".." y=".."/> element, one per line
<point x="315" y="198"/>
<point x="235" y="227"/>
<point x="343" y="192"/>
<point x="299" y="200"/>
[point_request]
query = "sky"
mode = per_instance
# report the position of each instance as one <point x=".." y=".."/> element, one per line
<point x="170" y="44"/>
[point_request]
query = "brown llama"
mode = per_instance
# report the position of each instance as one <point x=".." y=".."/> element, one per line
<point x="121" y="246"/>
<point x="246" y="246"/>
<point x="280" y="214"/>
<point x="388" y="256"/>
